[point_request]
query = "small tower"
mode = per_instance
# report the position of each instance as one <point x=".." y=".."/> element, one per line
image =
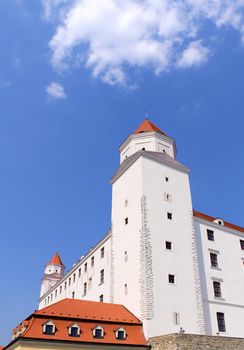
<point x="54" y="272"/>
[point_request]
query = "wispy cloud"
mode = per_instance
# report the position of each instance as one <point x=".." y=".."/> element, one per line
<point x="56" y="91"/>
<point x="108" y="36"/>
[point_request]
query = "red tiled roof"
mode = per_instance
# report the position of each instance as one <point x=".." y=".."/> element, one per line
<point x="203" y="216"/>
<point x="83" y="309"/>
<point x="87" y="315"/>
<point x="56" y="260"/>
<point x="147" y="126"/>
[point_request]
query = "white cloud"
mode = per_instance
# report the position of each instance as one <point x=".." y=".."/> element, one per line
<point x="110" y="36"/>
<point x="194" y="55"/>
<point x="56" y="91"/>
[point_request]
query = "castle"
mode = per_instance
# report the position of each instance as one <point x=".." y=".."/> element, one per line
<point x="173" y="267"/>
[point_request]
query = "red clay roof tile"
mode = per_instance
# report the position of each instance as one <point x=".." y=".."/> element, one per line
<point x="56" y="260"/>
<point x="147" y="126"/>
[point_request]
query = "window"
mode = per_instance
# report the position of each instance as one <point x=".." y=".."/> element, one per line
<point x="90" y="282"/>
<point x="167" y="197"/>
<point x="126" y="221"/>
<point x="69" y="281"/>
<point x="51" y="297"/>
<point x="126" y="256"/>
<point x="101" y="276"/>
<point x="74" y="331"/>
<point x="169" y="216"/>
<point x="60" y="289"/>
<point x="85" y="267"/>
<point x="214" y="260"/>
<point x="166" y="179"/>
<point x="92" y="261"/>
<point x="126" y="203"/>
<point x="49" y="328"/>
<point x="85" y="288"/>
<point x="242" y="244"/>
<point x="210" y="234"/>
<point x="120" y="334"/>
<point x="102" y="252"/>
<point x="217" y="289"/>
<point x="73" y="277"/>
<point x="168" y="245"/>
<point x="101" y="298"/>
<point x="79" y="272"/>
<point x="176" y="318"/>
<point x="221" y="322"/>
<point x="171" y="279"/>
<point x="98" y="332"/>
<point x="73" y="295"/>
<point x="56" y="293"/>
<point x="126" y="289"/>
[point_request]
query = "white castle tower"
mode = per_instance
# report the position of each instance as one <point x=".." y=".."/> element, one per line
<point x="54" y="272"/>
<point x="153" y="244"/>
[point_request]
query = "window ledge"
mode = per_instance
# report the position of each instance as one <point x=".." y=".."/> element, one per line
<point x="215" y="268"/>
<point x="219" y="298"/>
<point x="101" y="283"/>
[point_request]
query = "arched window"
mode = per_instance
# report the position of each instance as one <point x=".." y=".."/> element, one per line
<point x="74" y="330"/>
<point x="120" y="334"/>
<point x="98" y="332"/>
<point x="49" y="328"/>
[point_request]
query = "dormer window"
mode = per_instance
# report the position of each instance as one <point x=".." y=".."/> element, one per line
<point x="120" y="334"/>
<point x="219" y="221"/>
<point x="74" y="330"/>
<point x="49" y="328"/>
<point x="98" y="332"/>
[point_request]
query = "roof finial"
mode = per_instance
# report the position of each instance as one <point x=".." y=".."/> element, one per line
<point x="146" y="116"/>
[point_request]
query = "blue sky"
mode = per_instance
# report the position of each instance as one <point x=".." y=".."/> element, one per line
<point x="75" y="81"/>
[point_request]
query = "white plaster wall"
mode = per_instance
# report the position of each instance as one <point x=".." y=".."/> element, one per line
<point x="126" y="237"/>
<point x="150" y="141"/>
<point x="230" y="273"/>
<point x="96" y="289"/>
<point x="181" y="296"/>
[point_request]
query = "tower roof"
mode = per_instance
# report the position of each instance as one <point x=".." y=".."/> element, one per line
<point x="147" y="126"/>
<point x="56" y="260"/>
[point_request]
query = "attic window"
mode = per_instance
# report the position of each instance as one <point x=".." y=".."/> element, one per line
<point x="219" y="221"/>
<point x="49" y="328"/>
<point x="120" y="334"/>
<point x="143" y="149"/>
<point x="98" y="332"/>
<point x="74" y="330"/>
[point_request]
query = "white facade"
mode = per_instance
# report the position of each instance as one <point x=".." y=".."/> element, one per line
<point x="156" y="259"/>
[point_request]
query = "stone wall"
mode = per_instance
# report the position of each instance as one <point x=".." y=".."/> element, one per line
<point x="179" y="341"/>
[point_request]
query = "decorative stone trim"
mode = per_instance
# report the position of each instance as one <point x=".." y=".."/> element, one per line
<point x="146" y="270"/>
<point x="197" y="282"/>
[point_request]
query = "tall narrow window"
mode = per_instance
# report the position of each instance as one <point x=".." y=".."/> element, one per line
<point x="69" y="281"/>
<point x="166" y="179"/>
<point x="126" y="289"/>
<point x="126" y="221"/>
<point x="221" y="321"/>
<point x="101" y="276"/>
<point x="60" y="289"/>
<point x="242" y="244"/>
<point x="65" y="285"/>
<point x="102" y="252"/>
<point x="73" y="277"/>
<point x="214" y="260"/>
<point x="101" y="298"/>
<point x="92" y="261"/>
<point x="85" y="288"/>
<point x="73" y="295"/>
<point x="79" y="272"/>
<point x="217" y="289"/>
<point x="126" y="256"/>
<point x="171" y="279"/>
<point x="56" y="293"/>
<point x="210" y="234"/>
<point x="176" y="318"/>
<point x="85" y="267"/>
<point x="169" y="216"/>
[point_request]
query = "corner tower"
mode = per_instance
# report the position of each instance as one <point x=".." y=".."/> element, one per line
<point x="154" y="264"/>
<point x="54" y="272"/>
